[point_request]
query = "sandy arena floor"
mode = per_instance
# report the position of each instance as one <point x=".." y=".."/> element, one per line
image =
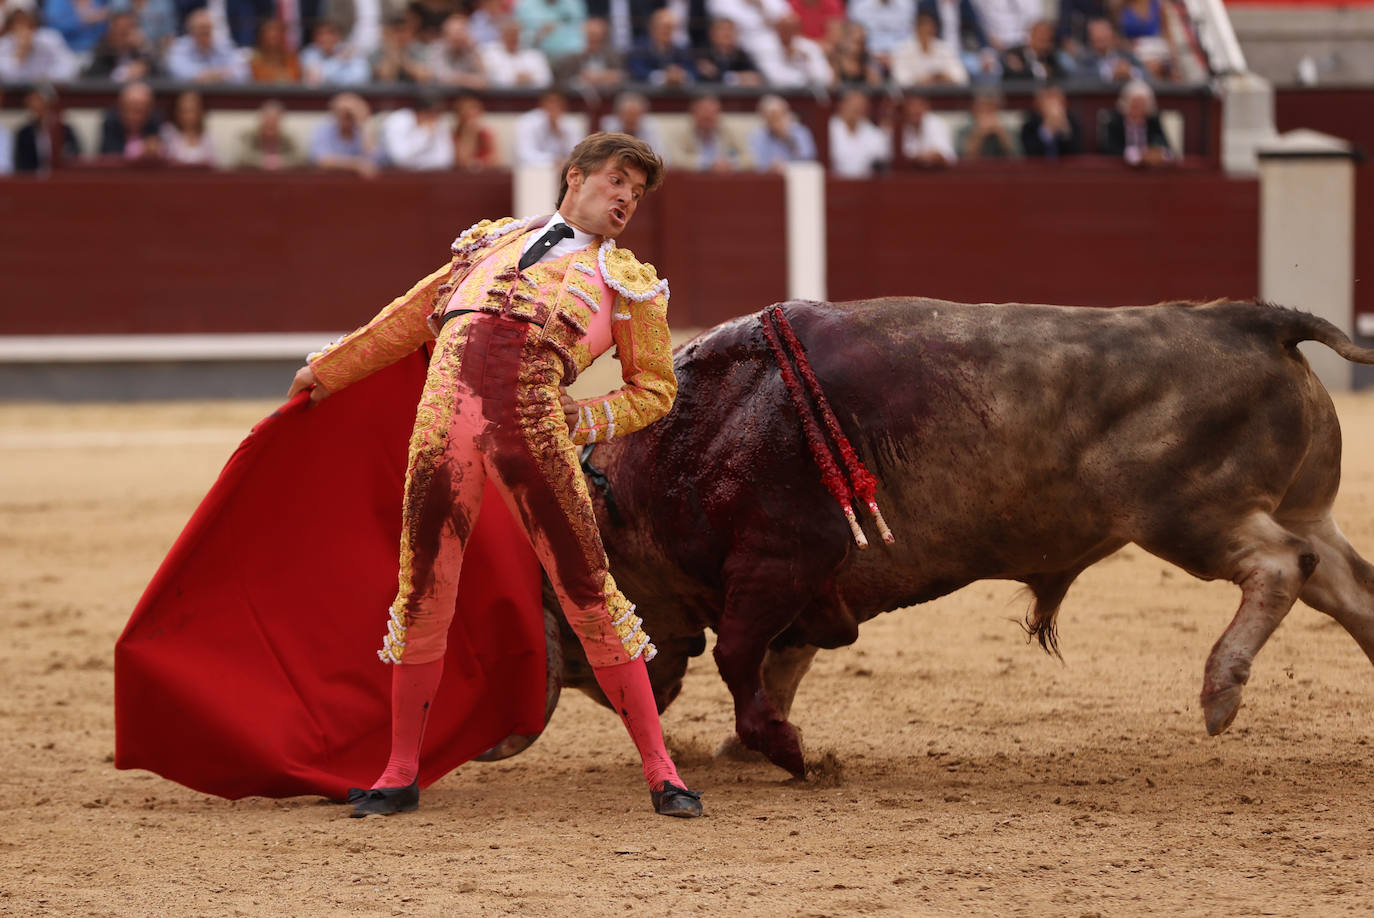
<point x="965" y="772"/>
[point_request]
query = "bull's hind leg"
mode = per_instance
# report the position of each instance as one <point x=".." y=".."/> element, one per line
<point x="1343" y="584"/>
<point x="1270" y="564"/>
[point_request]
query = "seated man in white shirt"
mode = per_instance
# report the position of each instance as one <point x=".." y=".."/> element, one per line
<point x="754" y="20"/>
<point x="511" y="66"/>
<point x="792" y="60"/>
<point x="418" y="139"/>
<point x="858" y="147"/>
<point x="545" y="135"/>
<point x="926" y="60"/>
<point x="197" y="57"/>
<point x="926" y="140"/>
<point x="631" y="116"/>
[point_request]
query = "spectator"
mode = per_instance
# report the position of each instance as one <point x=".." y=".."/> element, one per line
<point x="780" y="139"/>
<point x="599" y="66"/>
<point x="197" y="57"/>
<point x="6" y="146"/>
<point x="818" y="17"/>
<point x="850" y="60"/>
<point x="157" y="23"/>
<point x="985" y="137"/>
<point x="236" y="21"/>
<point x="485" y="22"/>
<point x="273" y="61"/>
<point x="631" y="116"/>
<point x="29" y="54"/>
<point x="1105" y="57"/>
<point x="360" y="20"/>
<point x="858" y="147"/>
<point x="45" y="140"/>
<point x="754" y="20"/>
<point x="123" y="54"/>
<point x="1144" y="28"/>
<point x="267" y="146"/>
<point x="474" y="143"/>
<point x="454" y="59"/>
<point x="925" y="60"/>
<point x="792" y="61"/>
<point x="887" y="23"/>
<point x="555" y="27"/>
<point x="1072" y="29"/>
<point x="509" y="65"/>
<point x="430" y="15"/>
<point x="545" y="135"/>
<point x="1134" y="131"/>
<point x="708" y="145"/>
<point x="418" y="139"/>
<point x="724" y="61"/>
<point x="401" y="58"/>
<point x="926" y="141"/>
<point x="342" y="142"/>
<point x="131" y="129"/>
<point x="962" y="28"/>
<point x="658" y="60"/>
<point x="330" y="62"/>
<point x="81" y="23"/>
<point x="1037" y="59"/>
<point x="184" y="140"/>
<point x="1050" y="130"/>
<point x="1008" y="22"/>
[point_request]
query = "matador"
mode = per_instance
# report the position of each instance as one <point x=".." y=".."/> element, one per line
<point x="522" y="307"/>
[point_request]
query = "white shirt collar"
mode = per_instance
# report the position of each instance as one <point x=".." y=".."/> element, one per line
<point x="565" y="246"/>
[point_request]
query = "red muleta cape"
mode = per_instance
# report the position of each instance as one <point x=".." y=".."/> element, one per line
<point x="250" y="664"/>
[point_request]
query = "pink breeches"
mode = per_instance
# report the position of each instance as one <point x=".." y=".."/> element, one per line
<point x="491" y="410"/>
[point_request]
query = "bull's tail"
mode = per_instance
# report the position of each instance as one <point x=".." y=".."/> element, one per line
<point x="1294" y="326"/>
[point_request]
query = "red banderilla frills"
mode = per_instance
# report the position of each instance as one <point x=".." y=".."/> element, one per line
<point x="861" y="484"/>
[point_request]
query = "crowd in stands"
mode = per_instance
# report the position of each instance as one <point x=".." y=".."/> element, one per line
<point x="477" y="44"/>
<point x="451" y="50"/>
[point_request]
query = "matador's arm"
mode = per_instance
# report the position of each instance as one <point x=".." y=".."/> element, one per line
<point x="397" y="330"/>
<point x="645" y="350"/>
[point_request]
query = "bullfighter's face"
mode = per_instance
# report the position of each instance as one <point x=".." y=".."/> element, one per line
<point x="603" y="201"/>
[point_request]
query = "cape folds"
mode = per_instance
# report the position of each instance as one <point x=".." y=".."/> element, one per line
<point x="249" y="666"/>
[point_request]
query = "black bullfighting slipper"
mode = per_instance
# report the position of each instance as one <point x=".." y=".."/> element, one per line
<point x="384" y="801"/>
<point x="672" y="800"/>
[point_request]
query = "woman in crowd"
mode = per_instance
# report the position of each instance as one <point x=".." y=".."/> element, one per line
<point x="184" y="141"/>
<point x="273" y="61"/>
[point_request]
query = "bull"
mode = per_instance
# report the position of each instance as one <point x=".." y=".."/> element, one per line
<point x="1012" y="442"/>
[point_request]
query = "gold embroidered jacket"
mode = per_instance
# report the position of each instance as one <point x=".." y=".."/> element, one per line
<point x="639" y="328"/>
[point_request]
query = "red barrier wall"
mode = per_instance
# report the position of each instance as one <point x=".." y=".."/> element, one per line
<point x="200" y="252"/>
<point x="1045" y="235"/>
<point x="173" y="252"/>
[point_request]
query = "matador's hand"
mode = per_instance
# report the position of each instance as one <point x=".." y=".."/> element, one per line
<point x="305" y="379"/>
<point x="569" y="409"/>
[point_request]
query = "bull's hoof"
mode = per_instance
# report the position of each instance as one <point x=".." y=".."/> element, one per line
<point x="1219" y="709"/>
<point x="733" y="749"/>
<point x="782" y="746"/>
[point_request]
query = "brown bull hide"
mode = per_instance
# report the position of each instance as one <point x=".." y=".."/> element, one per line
<point x="1011" y="442"/>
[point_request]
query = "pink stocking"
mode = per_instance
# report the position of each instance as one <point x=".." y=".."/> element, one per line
<point x="412" y="692"/>
<point x="627" y="687"/>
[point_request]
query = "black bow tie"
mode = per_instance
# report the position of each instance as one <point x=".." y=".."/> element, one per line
<point x="556" y="234"/>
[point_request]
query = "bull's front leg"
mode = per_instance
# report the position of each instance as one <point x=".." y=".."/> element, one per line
<point x="756" y="611"/>
<point x="782" y="674"/>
